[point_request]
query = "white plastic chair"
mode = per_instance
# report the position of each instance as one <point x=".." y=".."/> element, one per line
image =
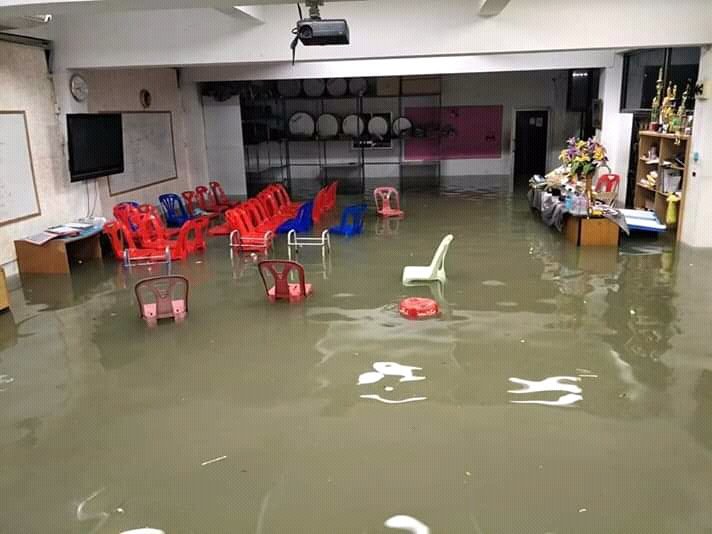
<point x="433" y="272"/>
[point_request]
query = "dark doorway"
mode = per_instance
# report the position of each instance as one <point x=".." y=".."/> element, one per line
<point x="530" y="140"/>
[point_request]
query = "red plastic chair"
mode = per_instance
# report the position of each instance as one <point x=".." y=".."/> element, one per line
<point x="150" y="209"/>
<point x="125" y="248"/>
<point x="330" y="196"/>
<point x="220" y="196"/>
<point x="206" y="200"/>
<point x="198" y="243"/>
<point x="162" y="297"/>
<point x="190" y="239"/>
<point x="607" y="188"/>
<point x="282" y="289"/>
<point x="320" y="205"/>
<point x="128" y="214"/>
<point x="189" y="199"/>
<point x="387" y="202"/>
<point x="286" y="206"/>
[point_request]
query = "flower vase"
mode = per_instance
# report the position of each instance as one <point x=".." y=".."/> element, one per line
<point x="589" y="191"/>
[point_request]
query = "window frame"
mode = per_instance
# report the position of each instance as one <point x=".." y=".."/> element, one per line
<point x="626" y="66"/>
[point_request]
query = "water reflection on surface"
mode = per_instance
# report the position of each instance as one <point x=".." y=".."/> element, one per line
<point x="292" y="397"/>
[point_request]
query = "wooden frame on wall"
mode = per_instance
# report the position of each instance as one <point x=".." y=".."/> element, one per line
<point x="158" y="181"/>
<point x="32" y="170"/>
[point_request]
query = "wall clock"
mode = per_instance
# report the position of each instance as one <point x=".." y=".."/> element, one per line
<point x="79" y="88"/>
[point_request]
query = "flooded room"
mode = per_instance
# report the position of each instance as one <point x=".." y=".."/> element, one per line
<point x="359" y="267"/>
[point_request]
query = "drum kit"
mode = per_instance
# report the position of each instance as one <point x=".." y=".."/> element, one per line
<point x="327" y="125"/>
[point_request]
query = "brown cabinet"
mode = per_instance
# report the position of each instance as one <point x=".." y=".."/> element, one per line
<point x="593" y="232"/>
<point x="4" y="297"/>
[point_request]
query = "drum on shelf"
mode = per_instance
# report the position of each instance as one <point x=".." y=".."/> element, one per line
<point x="358" y="86"/>
<point x="314" y="87"/>
<point x="353" y="125"/>
<point x="327" y="125"/>
<point x="378" y="127"/>
<point x="402" y="127"/>
<point x="336" y="87"/>
<point x="301" y="124"/>
<point x="289" y="88"/>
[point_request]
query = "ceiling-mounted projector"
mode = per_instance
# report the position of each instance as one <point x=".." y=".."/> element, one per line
<point x="315" y="31"/>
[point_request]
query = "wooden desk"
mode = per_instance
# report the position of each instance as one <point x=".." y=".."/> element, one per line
<point x="4" y="297"/>
<point x="57" y="256"/>
<point x="593" y="232"/>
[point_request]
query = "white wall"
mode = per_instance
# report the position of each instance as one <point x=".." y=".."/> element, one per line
<point x="697" y="213"/>
<point x="25" y="85"/>
<point x="118" y="90"/>
<point x="223" y="139"/>
<point x="379" y="29"/>
<point x="194" y="142"/>
<point x="513" y="90"/>
<point x="617" y="128"/>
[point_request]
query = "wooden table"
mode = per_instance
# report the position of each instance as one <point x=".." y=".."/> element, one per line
<point x="591" y="232"/>
<point x="4" y="297"/>
<point x="58" y="255"/>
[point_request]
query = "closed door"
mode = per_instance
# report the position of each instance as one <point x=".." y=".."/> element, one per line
<point x="530" y="144"/>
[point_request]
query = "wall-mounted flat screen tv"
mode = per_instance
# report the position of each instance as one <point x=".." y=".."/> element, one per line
<point x="96" y="146"/>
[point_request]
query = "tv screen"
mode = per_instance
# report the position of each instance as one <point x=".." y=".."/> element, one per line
<point x="96" y="146"/>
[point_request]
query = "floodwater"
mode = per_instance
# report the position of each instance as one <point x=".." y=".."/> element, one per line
<point x="561" y="391"/>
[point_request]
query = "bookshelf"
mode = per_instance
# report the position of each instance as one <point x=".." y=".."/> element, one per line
<point x="672" y="155"/>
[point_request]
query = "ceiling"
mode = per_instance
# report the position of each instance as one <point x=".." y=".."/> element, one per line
<point x="12" y="8"/>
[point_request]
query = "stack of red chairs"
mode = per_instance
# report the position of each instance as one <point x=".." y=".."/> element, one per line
<point x="245" y="235"/>
<point x="139" y="235"/>
<point x="190" y="238"/>
<point x="125" y="249"/>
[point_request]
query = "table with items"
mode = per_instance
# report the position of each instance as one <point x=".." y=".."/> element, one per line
<point x="563" y="204"/>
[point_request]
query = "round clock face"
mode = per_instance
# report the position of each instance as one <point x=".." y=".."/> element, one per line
<point x="79" y="88"/>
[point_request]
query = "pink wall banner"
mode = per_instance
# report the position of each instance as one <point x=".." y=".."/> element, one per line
<point x="465" y="132"/>
<point x="427" y="148"/>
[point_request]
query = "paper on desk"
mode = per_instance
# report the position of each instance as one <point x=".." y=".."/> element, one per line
<point x="41" y="238"/>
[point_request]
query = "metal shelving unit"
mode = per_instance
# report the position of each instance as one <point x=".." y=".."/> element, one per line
<point x="330" y="167"/>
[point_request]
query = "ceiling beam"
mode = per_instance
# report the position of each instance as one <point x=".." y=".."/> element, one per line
<point x="11" y="8"/>
<point x="246" y="13"/>
<point x="492" y="8"/>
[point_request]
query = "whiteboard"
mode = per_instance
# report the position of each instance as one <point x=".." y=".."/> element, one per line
<point x="149" y="155"/>
<point x="18" y="196"/>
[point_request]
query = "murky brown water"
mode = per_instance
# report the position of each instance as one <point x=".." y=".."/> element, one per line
<point x="249" y="417"/>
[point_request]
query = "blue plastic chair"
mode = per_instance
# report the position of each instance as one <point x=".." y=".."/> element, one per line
<point x="351" y="221"/>
<point x="301" y="223"/>
<point x="176" y="214"/>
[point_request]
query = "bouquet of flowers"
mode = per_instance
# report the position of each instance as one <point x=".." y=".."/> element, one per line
<point x="583" y="157"/>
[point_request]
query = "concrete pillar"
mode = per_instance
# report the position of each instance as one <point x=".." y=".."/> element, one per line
<point x="617" y="127"/>
<point x="696" y="220"/>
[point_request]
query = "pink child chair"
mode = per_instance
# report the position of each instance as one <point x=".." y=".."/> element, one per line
<point x="162" y="297"/>
<point x="387" y="202"/>
<point x="282" y="289"/>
